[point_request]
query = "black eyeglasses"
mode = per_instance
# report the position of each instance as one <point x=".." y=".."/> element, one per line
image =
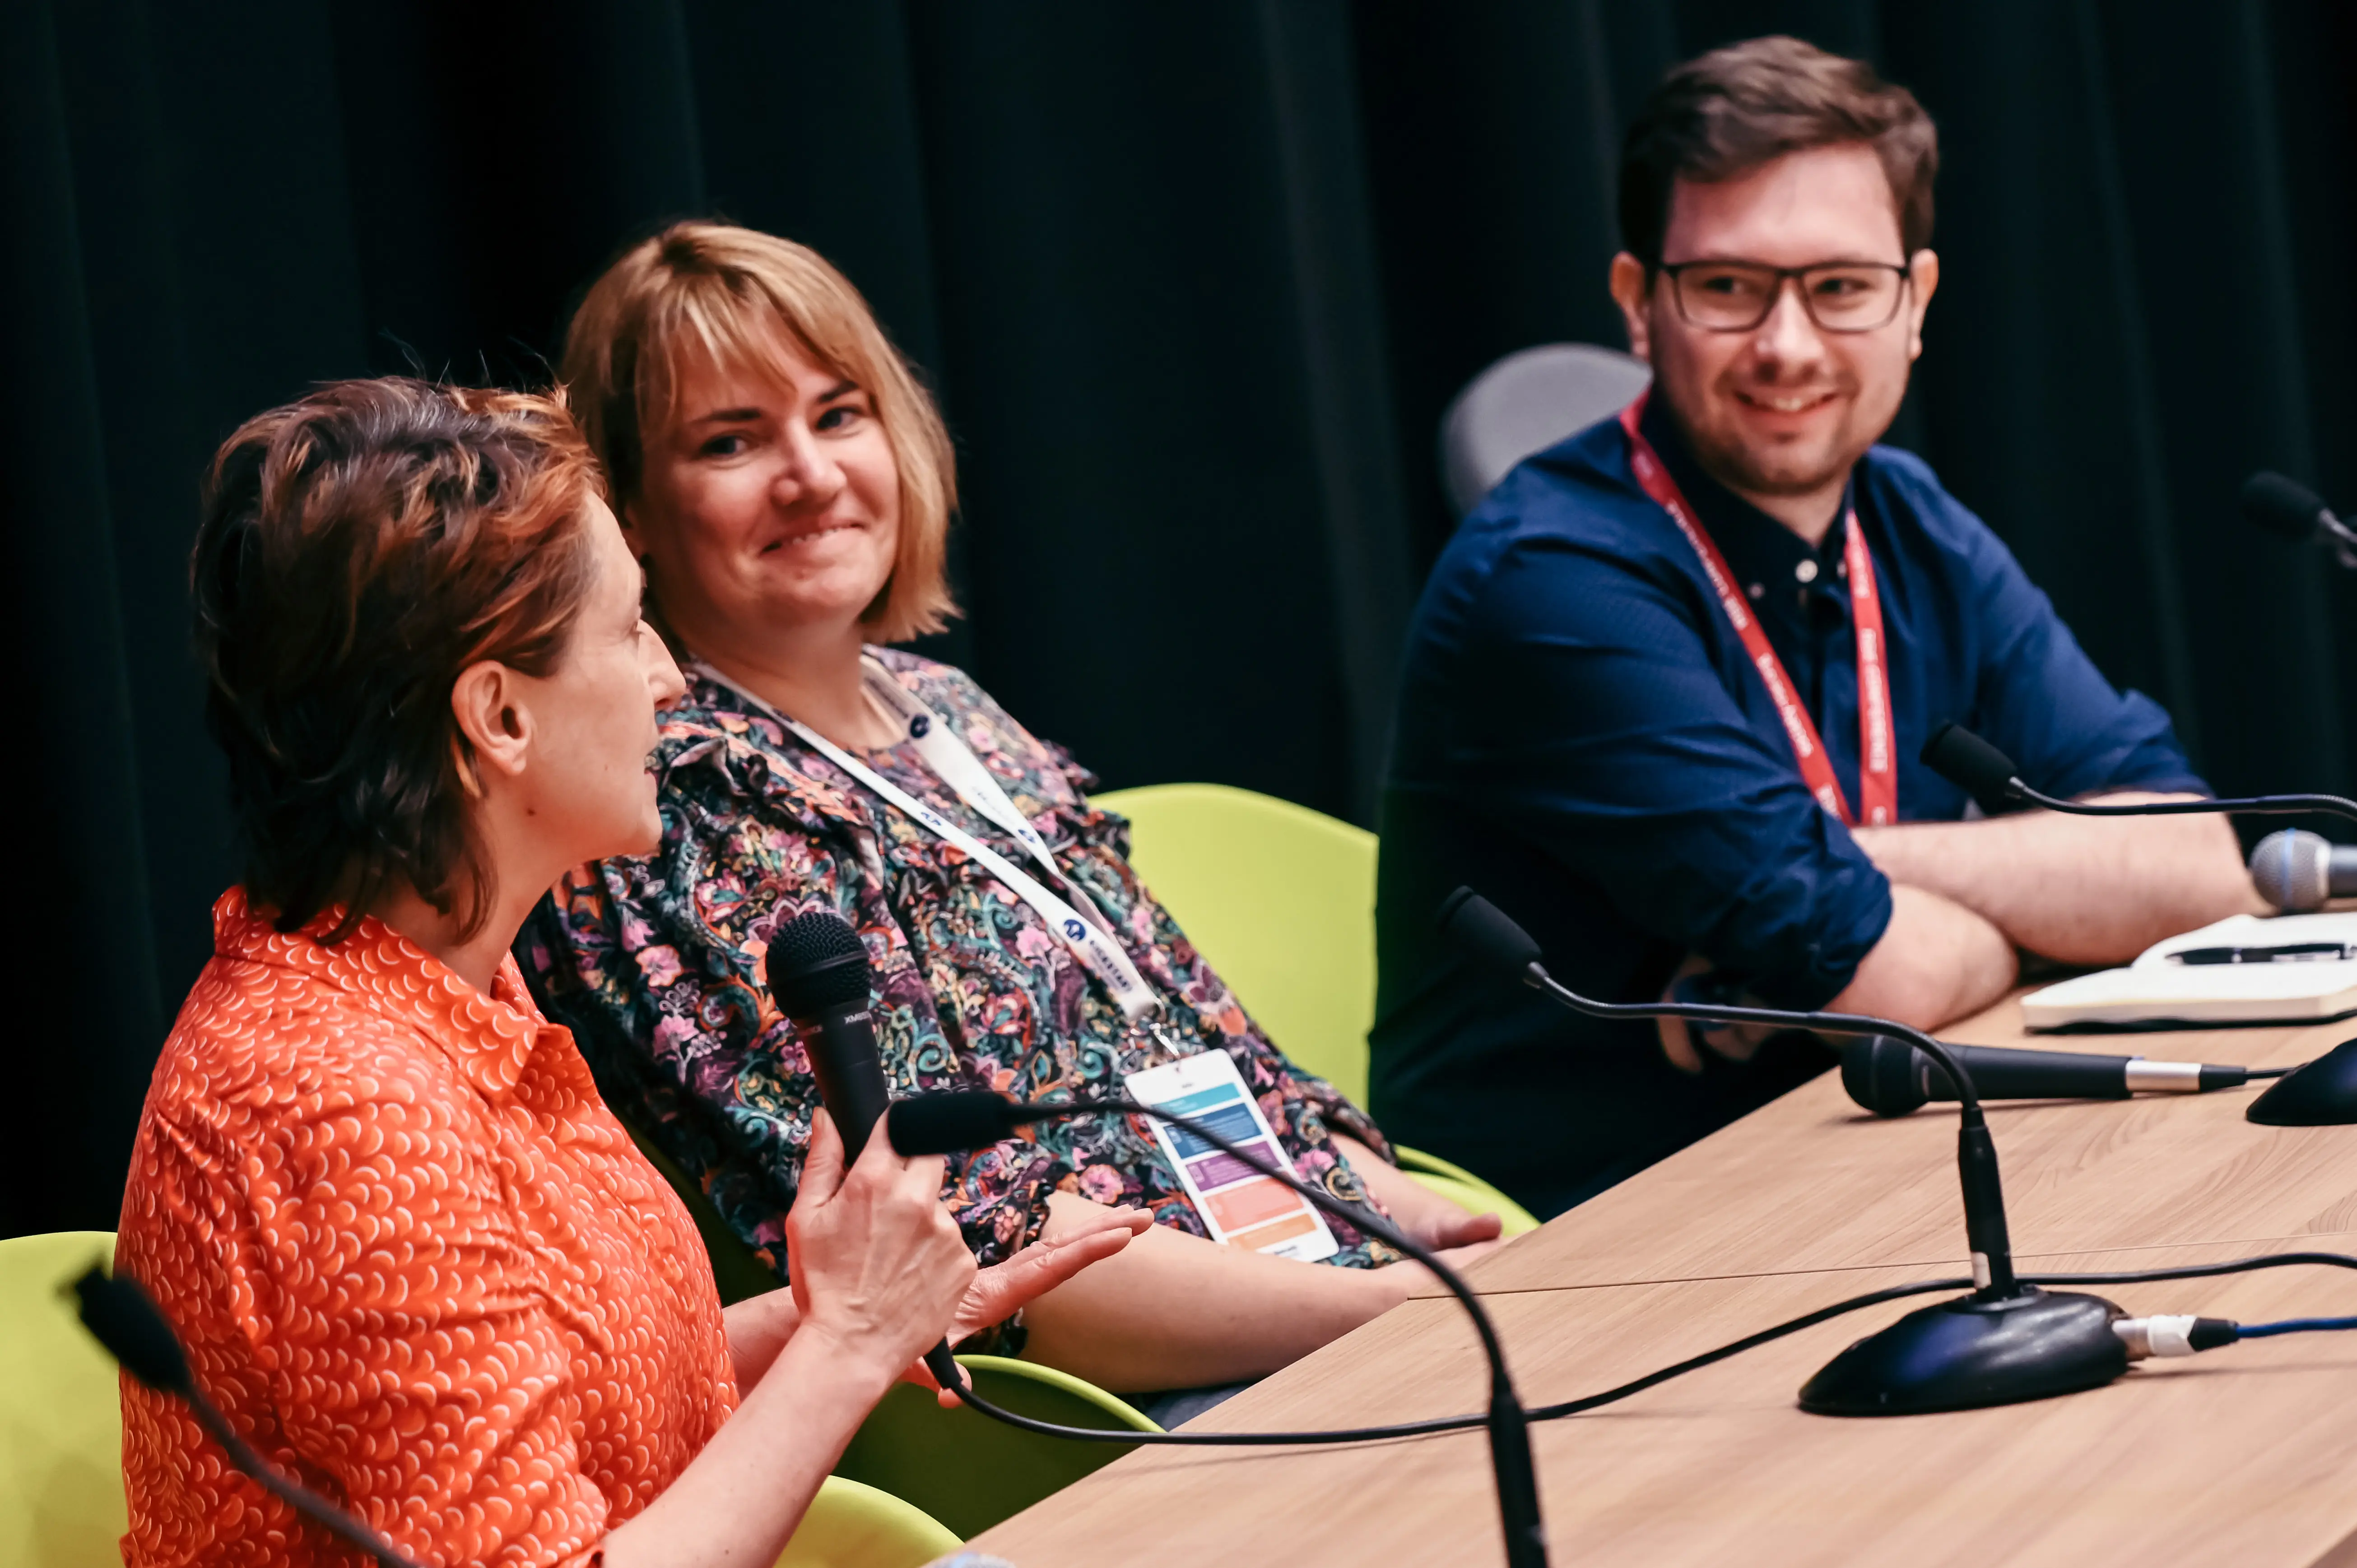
<point x="1737" y="296"/>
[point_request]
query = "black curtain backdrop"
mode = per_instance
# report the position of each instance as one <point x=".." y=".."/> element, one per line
<point x="1194" y="284"/>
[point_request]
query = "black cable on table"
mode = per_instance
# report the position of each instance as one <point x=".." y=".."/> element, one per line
<point x="1692" y="1364"/>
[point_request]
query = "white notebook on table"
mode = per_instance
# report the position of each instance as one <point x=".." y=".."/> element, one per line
<point x="2161" y="988"/>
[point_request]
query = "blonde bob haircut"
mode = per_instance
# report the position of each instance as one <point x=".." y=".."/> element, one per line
<point x="736" y="299"/>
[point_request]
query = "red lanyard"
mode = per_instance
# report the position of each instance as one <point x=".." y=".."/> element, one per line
<point x="1877" y="774"/>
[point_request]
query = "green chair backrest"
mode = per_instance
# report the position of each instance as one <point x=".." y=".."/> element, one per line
<point x="61" y="1412"/>
<point x="61" y="1439"/>
<point x="736" y="1268"/>
<point x="963" y="1469"/>
<point x="1281" y="899"/>
<point x="968" y="1470"/>
<point x="853" y="1526"/>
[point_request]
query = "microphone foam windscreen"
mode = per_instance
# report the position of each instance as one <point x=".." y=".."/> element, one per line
<point x="815" y="960"/>
<point x="1482" y="932"/>
<point x="2280" y="505"/>
<point x="1970" y="763"/>
<point x="1882" y="1074"/>
<point x="949" y="1122"/>
<point x="119" y="1315"/>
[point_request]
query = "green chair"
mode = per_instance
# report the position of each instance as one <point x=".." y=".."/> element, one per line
<point x="852" y="1525"/>
<point x="61" y="1412"/>
<point x="736" y="1268"/>
<point x="969" y="1471"/>
<point x="965" y="1470"/>
<point x="1282" y="900"/>
<point x="61" y="1439"/>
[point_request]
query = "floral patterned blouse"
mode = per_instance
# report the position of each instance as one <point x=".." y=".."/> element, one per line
<point x="655" y="965"/>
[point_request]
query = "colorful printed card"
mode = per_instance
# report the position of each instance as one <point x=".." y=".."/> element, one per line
<point x="1239" y="1205"/>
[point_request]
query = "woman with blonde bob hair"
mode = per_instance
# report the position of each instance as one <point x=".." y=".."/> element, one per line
<point x="786" y="481"/>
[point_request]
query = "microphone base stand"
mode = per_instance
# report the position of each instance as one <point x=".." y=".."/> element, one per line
<point x="2005" y="1343"/>
<point x="1972" y="1353"/>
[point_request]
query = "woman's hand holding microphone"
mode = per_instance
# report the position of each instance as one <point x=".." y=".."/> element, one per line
<point x="880" y="1271"/>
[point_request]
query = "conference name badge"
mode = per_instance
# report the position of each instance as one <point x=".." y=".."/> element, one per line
<point x="1239" y="1206"/>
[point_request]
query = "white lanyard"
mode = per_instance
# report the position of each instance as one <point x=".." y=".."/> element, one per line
<point x="958" y="767"/>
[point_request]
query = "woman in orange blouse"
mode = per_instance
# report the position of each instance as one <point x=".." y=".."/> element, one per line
<point x="412" y="1256"/>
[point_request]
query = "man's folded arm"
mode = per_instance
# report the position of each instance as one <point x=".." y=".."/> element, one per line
<point x="2080" y="891"/>
<point x="1621" y="754"/>
<point x="1937" y="961"/>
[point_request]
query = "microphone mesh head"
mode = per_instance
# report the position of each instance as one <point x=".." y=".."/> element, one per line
<point x="123" y="1319"/>
<point x="1482" y="932"/>
<point x="2293" y="870"/>
<point x="815" y="960"/>
<point x="1971" y="764"/>
<point x="2281" y="506"/>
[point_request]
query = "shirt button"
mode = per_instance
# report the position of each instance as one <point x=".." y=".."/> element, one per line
<point x="1806" y="571"/>
<point x="1755" y="590"/>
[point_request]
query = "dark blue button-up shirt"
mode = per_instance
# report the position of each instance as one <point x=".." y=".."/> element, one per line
<point x="1581" y="739"/>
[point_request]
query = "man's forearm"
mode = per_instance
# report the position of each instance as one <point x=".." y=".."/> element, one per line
<point x="1937" y="961"/>
<point x="2083" y="890"/>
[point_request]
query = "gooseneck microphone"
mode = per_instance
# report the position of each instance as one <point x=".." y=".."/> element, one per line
<point x="122" y="1317"/>
<point x="816" y="968"/>
<point x="1891" y="1078"/>
<point x="2320" y="1093"/>
<point x="2007" y="1341"/>
<point x="947" y="1122"/>
<point x="1990" y="777"/>
<point x="2290" y="507"/>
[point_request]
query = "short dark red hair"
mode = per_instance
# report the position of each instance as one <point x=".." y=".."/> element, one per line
<point x="1732" y="109"/>
<point x="361" y="547"/>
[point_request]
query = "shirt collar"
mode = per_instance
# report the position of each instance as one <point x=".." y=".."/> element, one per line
<point x="488" y="1038"/>
<point x="1761" y="551"/>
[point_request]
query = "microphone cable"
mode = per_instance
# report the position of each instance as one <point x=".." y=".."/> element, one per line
<point x="1016" y="1114"/>
<point x="975" y="1118"/>
<point x="1695" y="1363"/>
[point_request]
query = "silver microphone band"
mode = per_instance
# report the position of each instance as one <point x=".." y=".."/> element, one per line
<point x="2163" y="1078"/>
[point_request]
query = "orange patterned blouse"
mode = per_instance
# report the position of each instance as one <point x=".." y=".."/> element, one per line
<point x="413" y="1258"/>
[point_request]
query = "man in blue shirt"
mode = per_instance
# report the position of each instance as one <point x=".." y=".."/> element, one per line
<point x="1589" y="731"/>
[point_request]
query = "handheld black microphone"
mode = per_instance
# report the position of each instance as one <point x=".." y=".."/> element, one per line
<point x="2290" y="507"/>
<point x="944" y="1123"/>
<point x="816" y="968"/>
<point x="2297" y="871"/>
<point x="1990" y="777"/>
<point x="1891" y="1078"/>
<point x="122" y="1317"/>
<point x="2007" y="1341"/>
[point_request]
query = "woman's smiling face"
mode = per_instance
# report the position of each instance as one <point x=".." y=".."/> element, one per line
<point x="771" y="502"/>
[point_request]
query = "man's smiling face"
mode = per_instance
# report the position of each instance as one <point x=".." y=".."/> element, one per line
<point x="1784" y="409"/>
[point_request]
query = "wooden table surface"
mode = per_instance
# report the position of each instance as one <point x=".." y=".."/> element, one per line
<point x="2244" y="1455"/>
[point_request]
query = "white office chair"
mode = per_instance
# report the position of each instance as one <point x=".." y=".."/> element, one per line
<point x="1525" y="403"/>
